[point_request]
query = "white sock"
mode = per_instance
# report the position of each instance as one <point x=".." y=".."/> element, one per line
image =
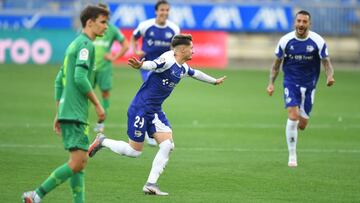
<point x="160" y="160"/>
<point x="120" y="147"/>
<point x="291" y="136"/>
<point x="37" y="198"/>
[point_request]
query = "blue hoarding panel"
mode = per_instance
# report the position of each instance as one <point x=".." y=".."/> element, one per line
<point x="36" y="21"/>
<point x="233" y="18"/>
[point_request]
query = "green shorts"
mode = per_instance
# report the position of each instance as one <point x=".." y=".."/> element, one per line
<point x="103" y="78"/>
<point x="75" y="135"/>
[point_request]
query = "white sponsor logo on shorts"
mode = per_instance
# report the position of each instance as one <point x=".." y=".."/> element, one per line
<point x="138" y="133"/>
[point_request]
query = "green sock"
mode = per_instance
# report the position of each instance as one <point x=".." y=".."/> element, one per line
<point x="106" y="105"/>
<point x="58" y="176"/>
<point x="77" y="185"/>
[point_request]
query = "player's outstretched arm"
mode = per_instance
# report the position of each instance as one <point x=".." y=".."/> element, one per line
<point x="329" y="71"/>
<point x="135" y="63"/>
<point x="219" y="81"/>
<point x="199" y="75"/>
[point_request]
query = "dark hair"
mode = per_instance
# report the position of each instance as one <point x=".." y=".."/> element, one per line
<point x="158" y="3"/>
<point x="92" y="12"/>
<point x="303" y="12"/>
<point x="181" y="39"/>
<point x="104" y="6"/>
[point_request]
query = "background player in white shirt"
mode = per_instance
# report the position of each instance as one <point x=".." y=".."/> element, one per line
<point x="301" y="52"/>
<point x="145" y="113"/>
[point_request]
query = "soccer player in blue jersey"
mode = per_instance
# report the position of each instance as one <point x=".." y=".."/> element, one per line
<point x="156" y="34"/>
<point x="145" y="113"/>
<point x="301" y="52"/>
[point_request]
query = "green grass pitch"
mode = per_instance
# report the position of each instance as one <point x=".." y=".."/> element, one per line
<point x="230" y="142"/>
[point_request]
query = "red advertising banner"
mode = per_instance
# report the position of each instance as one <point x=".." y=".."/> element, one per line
<point x="210" y="49"/>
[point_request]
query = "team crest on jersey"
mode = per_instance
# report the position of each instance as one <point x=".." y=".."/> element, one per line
<point x="150" y="42"/>
<point x="291" y="47"/>
<point x="151" y="33"/>
<point x="288" y="100"/>
<point x="138" y="133"/>
<point x="84" y="54"/>
<point x="309" y="48"/>
<point x="168" y="35"/>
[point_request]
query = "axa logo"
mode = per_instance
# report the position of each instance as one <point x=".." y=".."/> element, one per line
<point x="182" y="16"/>
<point x="269" y="18"/>
<point x="128" y="14"/>
<point x="224" y="17"/>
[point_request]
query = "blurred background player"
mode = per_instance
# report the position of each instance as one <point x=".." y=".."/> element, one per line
<point x="301" y="52"/>
<point x="72" y="91"/>
<point x="156" y="34"/>
<point x="103" y="61"/>
<point x="145" y="113"/>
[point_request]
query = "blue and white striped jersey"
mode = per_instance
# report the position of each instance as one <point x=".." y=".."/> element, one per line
<point x="156" y="39"/>
<point x="302" y="58"/>
<point x="166" y="74"/>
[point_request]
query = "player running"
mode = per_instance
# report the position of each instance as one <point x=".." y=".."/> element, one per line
<point x="145" y="113"/>
<point x="301" y="53"/>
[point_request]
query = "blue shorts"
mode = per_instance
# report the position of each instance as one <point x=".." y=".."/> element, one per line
<point x="303" y="97"/>
<point x="140" y="122"/>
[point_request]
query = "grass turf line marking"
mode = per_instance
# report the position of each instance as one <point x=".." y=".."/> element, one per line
<point x="202" y="149"/>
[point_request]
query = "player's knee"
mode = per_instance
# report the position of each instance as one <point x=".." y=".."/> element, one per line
<point x="167" y="145"/>
<point x="78" y="163"/>
<point x="77" y="166"/>
<point x="133" y="153"/>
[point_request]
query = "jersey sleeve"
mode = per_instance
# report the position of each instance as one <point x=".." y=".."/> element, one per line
<point x="118" y="35"/>
<point x="279" y="50"/>
<point x="321" y="45"/>
<point x="82" y="66"/>
<point x="164" y="61"/>
<point x="139" y="30"/>
<point x="81" y="80"/>
<point x="59" y="85"/>
<point x="188" y="70"/>
<point x="198" y="75"/>
<point x="156" y="65"/>
<point x="84" y="55"/>
<point x="324" y="52"/>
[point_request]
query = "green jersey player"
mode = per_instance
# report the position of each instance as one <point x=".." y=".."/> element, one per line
<point x="73" y="91"/>
<point x="104" y="59"/>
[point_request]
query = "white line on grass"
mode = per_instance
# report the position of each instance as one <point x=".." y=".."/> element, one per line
<point x="208" y="149"/>
<point x="196" y="125"/>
